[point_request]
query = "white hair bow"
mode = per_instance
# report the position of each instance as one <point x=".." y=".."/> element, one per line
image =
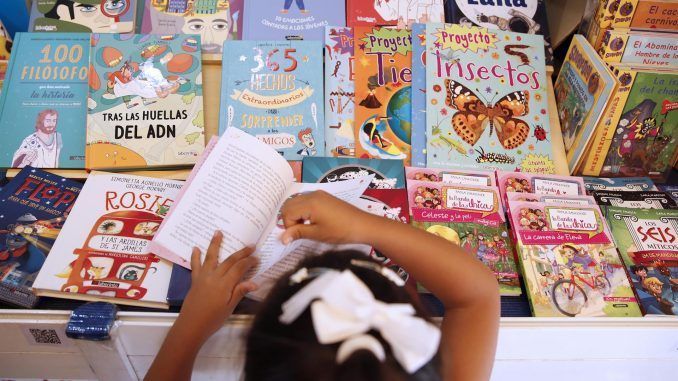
<point x="345" y="308"/>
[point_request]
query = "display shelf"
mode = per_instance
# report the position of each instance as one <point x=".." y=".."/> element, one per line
<point x="211" y="98"/>
<point x="528" y="348"/>
<point x="564" y="17"/>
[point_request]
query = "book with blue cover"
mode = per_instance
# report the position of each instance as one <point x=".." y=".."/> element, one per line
<point x="644" y="184"/>
<point x="419" y="95"/>
<point x="291" y="19"/>
<point x="274" y="90"/>
<point x="43" y="108"/>
<point x="339" y="92"/>
<point x="35" y="205"/>
<point x="486" y="97"/>
<point x="388" y="174"/>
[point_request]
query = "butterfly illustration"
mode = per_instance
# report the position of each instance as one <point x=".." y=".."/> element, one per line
<point x="474" y="115"/>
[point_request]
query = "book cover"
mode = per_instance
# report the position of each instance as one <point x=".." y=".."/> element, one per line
<point x="567" y="200"/>
<point x="339" y="92"/>
<point x="179" y="285"/>
<point x="456" y="177"/>
<point x="43" y="105"/>
<point x="215" y="22"/>
<point x="583" y="88"/>
<point x="644" y="142"/>
<point x="644" y="48"/>
<point x="383" y="60"/>
<point x="569" y="262"/>
<point x="657" y="15"/>
<point x="388" y="174"/>
<point x="486" y="100"/>
<point x="5" y="43"/>
<point x="644" y="184"/>
<point x="391" y="204"/>
<point x="274" y="90"/>
<point x="400" y="13"/>
<point x="648" y="242"/>
<point x="471" y="217"/>
<point x="635" y="199"/>
<point x="84" y="16"/>
<point x="527" y="17"/>
<point x="671" y="190"/>
<point x="291" y="19"/>
<point x="145" y="101"/>
<point x="35" y="205"/>
<point x="103" y="252"/>
<point x="553" y="185"/>
<point x="418" y="95"/>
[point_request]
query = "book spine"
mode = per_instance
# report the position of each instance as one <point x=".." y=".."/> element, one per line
<point x="613" y="45"/>
<point x="646" y="14"/>
<point x="606" y="127"/>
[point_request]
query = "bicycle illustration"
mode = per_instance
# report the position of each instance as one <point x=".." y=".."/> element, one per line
<point x="569" y="295"/>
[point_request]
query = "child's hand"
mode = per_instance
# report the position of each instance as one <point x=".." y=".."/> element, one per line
<point x="322" y="217"/>
<point x="216" y="288"/>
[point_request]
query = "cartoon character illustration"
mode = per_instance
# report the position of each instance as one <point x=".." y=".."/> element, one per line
<point x="27" y="241"/>
<point x="469" y="242"/>
<point x="84" y="15"/>
<point x="445" y="232"/>
<point x="148" y="82"/>
<point x="41" y="149"/>
<point x="654" y="287"/>
<point x="214" y="26"/>
<point x="288" y="4"/>
<point x="576" y="259"/>
<point x="307" y="140"/>
<point x="408" y="12"/>
<point x="373" y="140"/>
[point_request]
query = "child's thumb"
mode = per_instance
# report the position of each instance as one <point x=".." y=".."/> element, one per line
<point x="242" y="289"/>
<point x="296" y="232"/>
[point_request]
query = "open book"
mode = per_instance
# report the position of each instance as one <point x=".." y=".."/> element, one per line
<point x="239" y="187"/>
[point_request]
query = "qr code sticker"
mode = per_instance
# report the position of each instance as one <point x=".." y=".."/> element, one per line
<point x="45" y="336"/>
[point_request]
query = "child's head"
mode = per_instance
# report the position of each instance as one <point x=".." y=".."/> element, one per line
<point x="279" y="351"/>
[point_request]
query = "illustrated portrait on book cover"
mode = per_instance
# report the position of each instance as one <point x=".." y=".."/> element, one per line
<point x="83" y="15"/>
<point x="41" y="149"/>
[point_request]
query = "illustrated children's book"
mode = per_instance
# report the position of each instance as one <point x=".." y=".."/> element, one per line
<point x="539" y="184"/>
<point x="215" y="21"/>
<point x="568" y="200"/>
<point x="635" y="199"/>
<point x="84" y="16"/>
<point x="388" y="174"/>
<point x="656" y="15"/>
<point x="103" y="250"/>
<point x="648" y="241"/>
<point x="644" y="141"/>
<point x="339" y="92"/>
<point x="671" y="190"/>
<point x="43" y="105"/>
<point x="582" y="90"/>
<point x="145" y="105"/>
<point x="274" y="90"/>
<point x="619" y="184"/>
<point x="455" y="177"/>
<point x="645" y="48"/>
<point x="35" y="205"/>
<point x="291" y="19"/>
<point x="418" y="95"/>
<point x="569" y="262"/>
<point x="383" y="60"/>
<point x="220" y="194"/>
<point x="471" y="217"/>
<point x="400" y="13"/>
<point x="486" y="100"/>
<point x="527" y="16"/>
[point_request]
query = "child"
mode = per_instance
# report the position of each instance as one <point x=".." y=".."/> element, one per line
<point x="329" y="330"/>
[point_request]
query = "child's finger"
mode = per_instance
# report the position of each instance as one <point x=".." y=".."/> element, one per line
<point x="195" y="262"/>
<point x="212" y="256"/>
<point x="238" y="270"/>
<point x="296" y="213"/>
<point x="226" y="265"/>
<point x="298" y="231"/>
<point x="241" y="290"/>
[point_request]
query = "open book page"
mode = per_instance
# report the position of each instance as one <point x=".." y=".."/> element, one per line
<point x="271" y="250"/>
<point x="237" y="190"/>
<point x="275" y="258"/>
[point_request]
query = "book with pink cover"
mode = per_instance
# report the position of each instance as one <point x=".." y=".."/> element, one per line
<point x="521" y="182"/>
<point x="452" y="176"/>
<point x="471" y="217"/>
<point x="238" y="187"/>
